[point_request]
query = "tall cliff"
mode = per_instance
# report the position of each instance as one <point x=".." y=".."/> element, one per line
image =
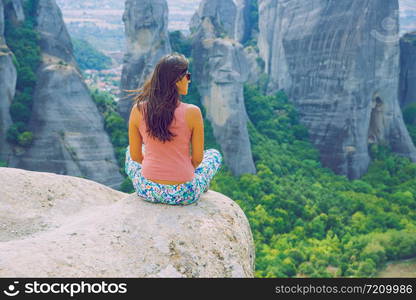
<point x="228" y="17"/>
<point x="220" y="69"/>
<point x="147" y="40"/>
<point x="90" y="230"/>
<point x="8" y="78"/>
<point x="242" y="24"/>
<point x="407" y="91"/>
<point x="339" y="63"/>
<point x="69" y="135"/>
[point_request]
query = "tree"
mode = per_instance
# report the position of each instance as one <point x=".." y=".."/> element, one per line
<point x="25" y="139"/>
<point x="88" y="57"/>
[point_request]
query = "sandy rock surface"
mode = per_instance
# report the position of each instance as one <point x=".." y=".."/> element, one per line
<point x="62" y="226"/>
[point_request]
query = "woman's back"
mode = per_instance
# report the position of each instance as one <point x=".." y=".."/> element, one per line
<point x="167" y="172"/>
<point x="169" y="161"/>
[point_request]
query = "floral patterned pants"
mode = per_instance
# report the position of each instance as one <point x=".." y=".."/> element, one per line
<point x="176" y="194"/>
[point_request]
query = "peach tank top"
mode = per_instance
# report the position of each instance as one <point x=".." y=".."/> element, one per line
<point x="170" y="160"/>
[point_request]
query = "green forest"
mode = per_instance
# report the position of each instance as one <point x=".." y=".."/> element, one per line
<point x="23" y="41"/>
<point x="88" y="57"/>
<point x="308" y="221"/>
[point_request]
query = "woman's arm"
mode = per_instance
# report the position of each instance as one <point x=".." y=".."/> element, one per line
<point x="197" y="138"/>
<point x="135" y="139"/>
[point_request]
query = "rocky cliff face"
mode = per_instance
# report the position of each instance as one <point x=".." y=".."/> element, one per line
<point x="147" y="39"/>
<point x="15" y="9"/>
<point x="228" y="17"/>
<point x="242" y="27"/>
<point x="8" y="78"/>
<point x="407" y="91"/>
<point x="69" y="135"/>
<point x="89" y="230"/>
<point x="220" y="68"/>
<point x="339" y="63"/>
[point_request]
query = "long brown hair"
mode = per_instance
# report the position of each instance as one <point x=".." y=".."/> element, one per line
<point x="160" y="96"/>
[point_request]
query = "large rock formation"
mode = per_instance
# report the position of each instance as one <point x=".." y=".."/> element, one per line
<point x="8" y="78"/>
<point x="62" y="226"/>
<point x="407" y="91"/>
<point x="230" y="18"/>
<point x="242" y="26"/>
<point x="147" y="39"/>
<point x="14" y="8"/>
<point x="68" y="129"/>
<point x="338" y="61"/>
<point x="220" y="69"/>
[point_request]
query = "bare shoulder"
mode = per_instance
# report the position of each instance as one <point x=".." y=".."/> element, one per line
<point x="193" y="109"/>
<point x="135" y="114"/>
<point x="192" y="114"/>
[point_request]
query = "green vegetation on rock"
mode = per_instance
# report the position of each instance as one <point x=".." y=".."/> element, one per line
<point x="88" y="57"/>
<point x="409" y="117"/>
<point x="179" y="43"/>
<point x="23" y="41"/>
<point x="116" y="128"/>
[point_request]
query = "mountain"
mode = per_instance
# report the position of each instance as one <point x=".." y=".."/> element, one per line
<point x="221" y="68"/>
<point x="100" y="22"/>
<point x="407" y="91"/>
<point x="338" y="61"/>
<point x="66" y="126"/>
<point x="147" y="41"/>
<point x="8" y="78"/>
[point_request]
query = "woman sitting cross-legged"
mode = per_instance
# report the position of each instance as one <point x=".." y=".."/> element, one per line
<point x="166" y="171"/>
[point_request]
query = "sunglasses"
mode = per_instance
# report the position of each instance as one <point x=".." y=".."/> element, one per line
<point x="188" y="76"/>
